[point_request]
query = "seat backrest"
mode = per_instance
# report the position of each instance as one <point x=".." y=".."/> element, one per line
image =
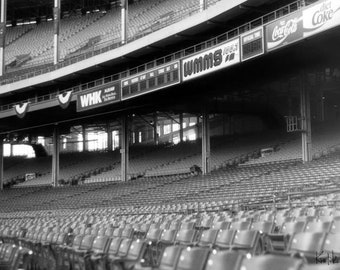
<point x="225" y="238"/>
<point x="188" y="225"/>
<point x="109" y="231"/>
<point x="49" y="237"/>
<point x="136" y="250"/>
<point x="117" y="232"/>
<point x="221" y="225"/>
<point x="263" y="226"/>
<point x="240" y="225"/>
<point x="114" y="246"/>
<point x="87" y="242"/>
<point x="224" y="260"/>
<point x="306" y="242"/>
<point x="208" y="237"/>
<point x="36" y="236"/>
<point x="246" y="238"/>
<point x="193" y="259"/>
<point x="336" y="227"/>
<point x="154" y="234"/>
<point x="124" y="247"/>
<point x="77" y="241"/>
<point x="100" y="244"/>
<point x="9" y="252"/>
<point x="270" y="262"/>
<point x="332" y="243"/>
<point x="144" y="227"/>
<point x="169" y="235"/>
<point x="43" y="237"/>
<point x="101" y="231"/>
<point x="318" y="226"/>
<point x="185" y="236"/>
<point x="293" y="227"/>
<point x="170" y="258"/>
<point x="61" y="238"/>
<point x="127" y="233"/>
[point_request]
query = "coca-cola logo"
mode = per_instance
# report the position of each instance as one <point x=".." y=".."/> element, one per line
<point x="285" y="29"/>
<point x="323" y="15"/>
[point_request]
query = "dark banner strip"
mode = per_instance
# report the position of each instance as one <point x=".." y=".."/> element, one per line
<point x="99" y="97"/>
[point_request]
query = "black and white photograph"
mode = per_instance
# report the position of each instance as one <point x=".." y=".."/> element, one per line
<point x="169" y="134"/>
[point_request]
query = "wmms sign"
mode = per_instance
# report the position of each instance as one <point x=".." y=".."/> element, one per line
<point x="214" y="59"/>
<point x="98" y="97"/>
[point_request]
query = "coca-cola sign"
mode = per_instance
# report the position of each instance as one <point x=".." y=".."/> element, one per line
<point x="321" y="17"/>
<point x="284" y="31"/>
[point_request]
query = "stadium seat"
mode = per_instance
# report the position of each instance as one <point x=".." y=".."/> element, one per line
<point x="208" y="238"/>
<point x="225" y="239"/>
<point x="269" y="262"/>
<point x="224" y="260"/>
<point x="306" y="244"/>
<point x="193" y="259"/>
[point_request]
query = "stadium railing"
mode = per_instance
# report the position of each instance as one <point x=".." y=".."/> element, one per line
<point x="174" y="56"/>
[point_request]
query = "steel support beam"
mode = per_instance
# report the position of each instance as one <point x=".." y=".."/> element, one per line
<point x="3" y="15"/>
<point x="1" y="162"/>
<point x="181" y="133"/>
<point x="56" y="17"/>
<point x="205" y="143"/>
<point x="124" y="20"/>
<point x="109" y="137"/>
<point x="55" y="156"/>
<point x="83" y="131"/>
<point x="154" y="126"/>
<point x="125" y="149"/>
<point x="305" y="121"/>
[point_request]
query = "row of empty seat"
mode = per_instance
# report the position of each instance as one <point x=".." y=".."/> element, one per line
<point x="79" y="33"/>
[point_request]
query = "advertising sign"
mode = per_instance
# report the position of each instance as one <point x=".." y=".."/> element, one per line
<point x="98" y="97"/>
<point x="151" y="80"/>
<point x="252" y="44"/>
<point x="284" y="31"/>
<point x="321" y="17"/>
<point x="221" y="56"/>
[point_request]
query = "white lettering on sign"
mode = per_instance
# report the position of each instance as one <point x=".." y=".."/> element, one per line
<point x="217" y="58"/>
<point x="91" y="99"/>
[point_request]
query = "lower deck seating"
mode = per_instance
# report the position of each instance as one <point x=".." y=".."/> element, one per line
<point x="117" y="238"/>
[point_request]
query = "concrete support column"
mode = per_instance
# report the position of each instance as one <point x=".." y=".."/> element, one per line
<point x="124" y="20"/>
<point x="198" y="131"/>
<point x="181" y="133"/>
<point x="1" y="163"/>
<point x="56" y="17"/>
<point x="305" y="122"/>
<point x="109" y="137"/>
<point x="155" y="134"/>
<point x="3" y="13"/>
<point x="124" y="149"/>
<point x="203" y="5"/>
<point x="171" y="131"/>
<point x="83" y="131"/>
<point x="205" y="144"/>
<point x="55" y="156"/>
